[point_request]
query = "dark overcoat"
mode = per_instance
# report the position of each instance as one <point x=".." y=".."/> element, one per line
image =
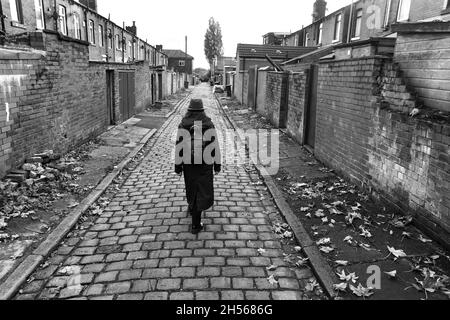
<point x="199" y="178"/>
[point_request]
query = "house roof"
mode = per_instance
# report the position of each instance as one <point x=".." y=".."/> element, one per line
<point x="275" y="52"/>
<point x="176" y="54"/>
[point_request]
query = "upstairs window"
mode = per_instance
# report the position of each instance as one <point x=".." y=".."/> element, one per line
<point x="62" y="20"/>
<point x="101" y="36"/>
<point x="319" y="42"/>
<point x="39" y="7"/>
<point x="91" y="32"/>
<point x="337" y="27"/>
<point x="16" y="11"/>
<point x="181" y="63"/>
<point x="306" y="40"/>
<point x="358" y="23"/>
<point x="76" y="25"/>
<point x="403" y="10"/>
<point x="118" y="42"/>
<point x="110" y="39"/>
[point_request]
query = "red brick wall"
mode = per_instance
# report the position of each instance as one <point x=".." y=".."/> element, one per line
<point x="405" y="159"/>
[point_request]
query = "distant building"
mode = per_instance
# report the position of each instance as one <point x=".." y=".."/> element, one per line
<point x="179" y="61"/>
<point x="274" y="38"/>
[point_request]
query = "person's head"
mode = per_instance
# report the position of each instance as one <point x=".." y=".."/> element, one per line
<point x="195" y="107"/>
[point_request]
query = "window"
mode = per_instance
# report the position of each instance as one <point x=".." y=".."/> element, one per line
<point x="91" y="32"/>
<point x="134" y="49"/>
<point x="101" y="36"/>
<point x="39" y="7"/>
<point x="130" y="48"/>
<point x="337" y="27"/>
<point x="62" y="20"/>
<point x="306" y="39"/>
<point x="320" y="34"/>
<point x="358" y="23"/>
<point x="110" y="39"/>
<point x="403" y="10"/>
<point x="76" y="25"/>
<point x="181" y="63"/>
<point x="16" y="10"/>
<point x="118" y="42"/>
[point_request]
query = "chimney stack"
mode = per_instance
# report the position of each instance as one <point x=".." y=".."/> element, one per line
<point x="132" y="29"/>
<point x="319" y="10"/>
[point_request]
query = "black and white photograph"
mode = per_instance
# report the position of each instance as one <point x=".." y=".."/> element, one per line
<point x="221" y="158"/>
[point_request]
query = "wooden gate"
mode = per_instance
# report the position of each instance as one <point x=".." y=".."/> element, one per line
<point x="127" y="94"/>
<point x="110" y="96"/>
<point x="252" y="85"/>
<point x="311" y="111"/>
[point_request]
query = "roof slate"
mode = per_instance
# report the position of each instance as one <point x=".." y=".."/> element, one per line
<point x="176" y="54"/>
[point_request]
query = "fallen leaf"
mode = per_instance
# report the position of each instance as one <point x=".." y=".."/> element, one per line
<point x="347" y="277"/>
<point x="298" y="249"/>
<point x="272" y="280"/>
<point x="302" y="262"/>
<point x="261" y="251"/>
<point x="397" y="253"/>
<point x="392" y="274"/>
<point x="341" y="287"/>
<point x="320" y="213"/>
<point x="324" y="241"/>
<point x="272" y="268"/>
<point x="360" y="291"/>
<point x="424" y="240"/>
<point x="311" y="286"/>
<point x="342" y="263"/>
<point x="348" y="239"/>
<point x="327" y="249"/>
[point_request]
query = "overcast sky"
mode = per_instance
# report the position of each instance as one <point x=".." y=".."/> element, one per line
<point x="242" y="21"/>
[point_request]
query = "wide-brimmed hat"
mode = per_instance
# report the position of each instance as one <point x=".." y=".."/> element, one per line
<point x="196" y="105"/>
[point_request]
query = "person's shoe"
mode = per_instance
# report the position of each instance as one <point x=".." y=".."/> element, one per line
<point x="197" y="230"/>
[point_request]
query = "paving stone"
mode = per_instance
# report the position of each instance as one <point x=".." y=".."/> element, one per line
<point x="243" y="283"/>
<point x="118" y="287"/>
<point x="169" y="284"/>
<point x="195" y="284"/>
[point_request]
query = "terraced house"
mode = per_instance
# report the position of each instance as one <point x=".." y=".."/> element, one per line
<point x="67" y="74"/>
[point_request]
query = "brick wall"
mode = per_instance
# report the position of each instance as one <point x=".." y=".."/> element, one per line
<point x="276" y="96"/>
<point x="298" y="88"/>
<point x="425" y="63"/>
<point x="366" y="138"/>
<point x="56" y="99"/>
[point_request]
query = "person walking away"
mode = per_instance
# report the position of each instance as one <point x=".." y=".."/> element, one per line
<point x="197" y="156"/>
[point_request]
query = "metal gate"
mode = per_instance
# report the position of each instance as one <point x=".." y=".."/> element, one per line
<point x="127" y="94"/>
<point x="311" y="111"/>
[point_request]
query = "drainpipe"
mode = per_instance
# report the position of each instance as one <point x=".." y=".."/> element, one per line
<point x="2" y="18"/>
<point x="123" y="43"/>
<point x="55" y="15"/>
<point x="349" y="31"/>
<point x="86" y="28"/>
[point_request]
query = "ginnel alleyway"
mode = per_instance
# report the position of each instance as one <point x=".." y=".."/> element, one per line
<point x="141" y="248"/>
